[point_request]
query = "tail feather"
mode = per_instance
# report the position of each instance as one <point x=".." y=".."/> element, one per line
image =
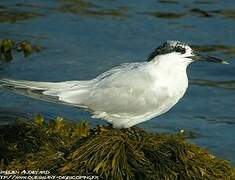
<point x="56" y="92"/>
<point x="29" y="88"/>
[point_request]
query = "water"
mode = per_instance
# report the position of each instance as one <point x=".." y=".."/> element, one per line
<point x="84" y="38"/>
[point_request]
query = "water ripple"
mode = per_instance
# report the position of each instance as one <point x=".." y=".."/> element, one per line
<point x="229" y="85"/>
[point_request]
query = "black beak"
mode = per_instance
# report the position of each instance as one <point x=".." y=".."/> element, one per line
<point x="207" y="58"/>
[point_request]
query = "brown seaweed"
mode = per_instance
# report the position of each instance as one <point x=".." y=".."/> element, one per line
<point x="67" y="148"/>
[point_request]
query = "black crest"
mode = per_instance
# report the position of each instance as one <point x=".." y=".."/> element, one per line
<point x="168" y="47"/>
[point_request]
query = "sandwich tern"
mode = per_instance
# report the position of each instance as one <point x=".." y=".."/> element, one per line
<point x="125" y="95"/>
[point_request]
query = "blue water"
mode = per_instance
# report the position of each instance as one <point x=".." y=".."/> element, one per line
<point x="84" y="38"/>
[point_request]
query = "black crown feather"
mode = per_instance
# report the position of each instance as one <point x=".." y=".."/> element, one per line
<point x="168" y="47"/>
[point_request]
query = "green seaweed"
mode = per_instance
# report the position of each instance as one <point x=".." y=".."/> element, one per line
<point x="8" y="47"/>
<point x="69" y="148"/>
<point x="27" y="48"/>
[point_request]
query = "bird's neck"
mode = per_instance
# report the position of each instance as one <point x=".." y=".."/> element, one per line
<point x="170" y="65"/>
<point x="171" y="75"/>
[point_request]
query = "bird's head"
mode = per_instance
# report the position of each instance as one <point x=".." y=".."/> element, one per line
<point x="180" y="52"/>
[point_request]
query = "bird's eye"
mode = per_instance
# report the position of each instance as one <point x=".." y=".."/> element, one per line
<point x="180" y="50"/>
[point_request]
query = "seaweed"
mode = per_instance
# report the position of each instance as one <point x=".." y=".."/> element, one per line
<point x="68" y="148"/>
<point x="7" y="47"/>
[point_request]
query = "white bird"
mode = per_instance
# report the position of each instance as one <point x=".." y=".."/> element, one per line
<point x="127" y="94"/>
